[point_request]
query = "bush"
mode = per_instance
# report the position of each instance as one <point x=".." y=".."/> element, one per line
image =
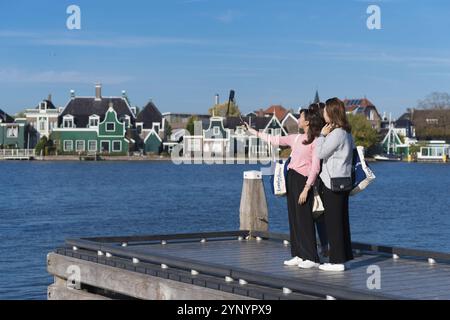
<point x="45" y="146"/>
<point x="362" y="131"/>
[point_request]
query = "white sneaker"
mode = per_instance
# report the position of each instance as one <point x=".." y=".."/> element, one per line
<point x="293" y="262"/>
<point x="308" y="264"/>
<point x="336" y="267"/>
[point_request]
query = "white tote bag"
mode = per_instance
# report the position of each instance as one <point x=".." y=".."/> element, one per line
<point x="279" y="180"/>
<point x="363" y="174"/>
<point x="280" y="175"/>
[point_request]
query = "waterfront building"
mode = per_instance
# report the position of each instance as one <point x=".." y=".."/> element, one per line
<point x="15" y="133"/>
<point x="431" y="124"/>
<point x="43" y="118"/>
<point x="150" y="126"/>
<point x="226" y="135"/>
<point x="366" y="108"/>
<point x="178" y="120"/>
<point x="435" y="150"/>
<point x="95" y="125"/>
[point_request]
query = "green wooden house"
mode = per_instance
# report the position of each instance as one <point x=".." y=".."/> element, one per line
<point x="95" y="125"/>
<point x="14" y="134"/>
<point x="105" y="137"/>
<point x="151" y="129"/>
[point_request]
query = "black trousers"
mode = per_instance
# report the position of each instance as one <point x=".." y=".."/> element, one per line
<point x="301" y="223"/>
<point x="337" y="224"/>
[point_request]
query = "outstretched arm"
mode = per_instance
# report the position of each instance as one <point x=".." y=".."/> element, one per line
<point x="274" y="140"/>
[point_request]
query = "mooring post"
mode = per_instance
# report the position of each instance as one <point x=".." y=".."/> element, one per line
<point x="253" y="211"/>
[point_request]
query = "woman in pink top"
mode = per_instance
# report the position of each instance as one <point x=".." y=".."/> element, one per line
<point x="303" y="171"/>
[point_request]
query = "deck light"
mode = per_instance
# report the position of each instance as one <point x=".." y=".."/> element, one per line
<point x="287" y="291"/>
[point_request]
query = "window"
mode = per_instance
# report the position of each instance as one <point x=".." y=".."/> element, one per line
<point x="43" y="106"/>
<point x="216" y="131"/>
<point x="93" y="121"/>
<point x="12" y="132"/>
<point x="92" y="145"/>
<point x="68" y="122"/>
<point x="117" y="146"/>
<point x="110" y="127"/>
<point x="139" y="127"/>
<point x="68" y="146"/>
<point x="126" y="120"/>
<point x="156" y="127"/>
<point x="42" y="124"/>
<point x="432" y="121"/>
<point x="105" y="146"/>
<point x="80" y="146"/>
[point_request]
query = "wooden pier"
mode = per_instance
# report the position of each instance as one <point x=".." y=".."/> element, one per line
<point x="17" y="154"/>
<point x="236" y="265"/>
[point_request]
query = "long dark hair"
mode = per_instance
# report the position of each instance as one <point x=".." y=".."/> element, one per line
<point x="315" y="124"/>
<point x="336" y="112"/>
<point x="317" y="107"/>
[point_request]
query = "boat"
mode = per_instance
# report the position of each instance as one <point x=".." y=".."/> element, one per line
<point x="387" y="157"/>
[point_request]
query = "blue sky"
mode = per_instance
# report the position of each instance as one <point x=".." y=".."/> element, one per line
<point x="181" y="52"/>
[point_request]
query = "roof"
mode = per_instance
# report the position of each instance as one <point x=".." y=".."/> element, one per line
<point x="421" y="117"/>
<point x="149" y="115"/>
<point x="278" y="110"/>
<point x="82" y="108"/>
<point x="432" y="123"/>
<point x="403" y="123"/>
<point x="257" y="123"/>
<point x="316" y="97"/>
<point x="405" y="116"/>
<point x="352" y="104"/>
<point x="50" y="105"/>
<point x="5" y="118"/>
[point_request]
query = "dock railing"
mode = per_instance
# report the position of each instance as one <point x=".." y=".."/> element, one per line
<point x="17" y="153"/>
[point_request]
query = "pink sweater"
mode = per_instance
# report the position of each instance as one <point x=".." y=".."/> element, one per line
<point x="303" y="158"/>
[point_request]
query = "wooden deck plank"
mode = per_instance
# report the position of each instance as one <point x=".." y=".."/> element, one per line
<point x="407" y="277"/>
